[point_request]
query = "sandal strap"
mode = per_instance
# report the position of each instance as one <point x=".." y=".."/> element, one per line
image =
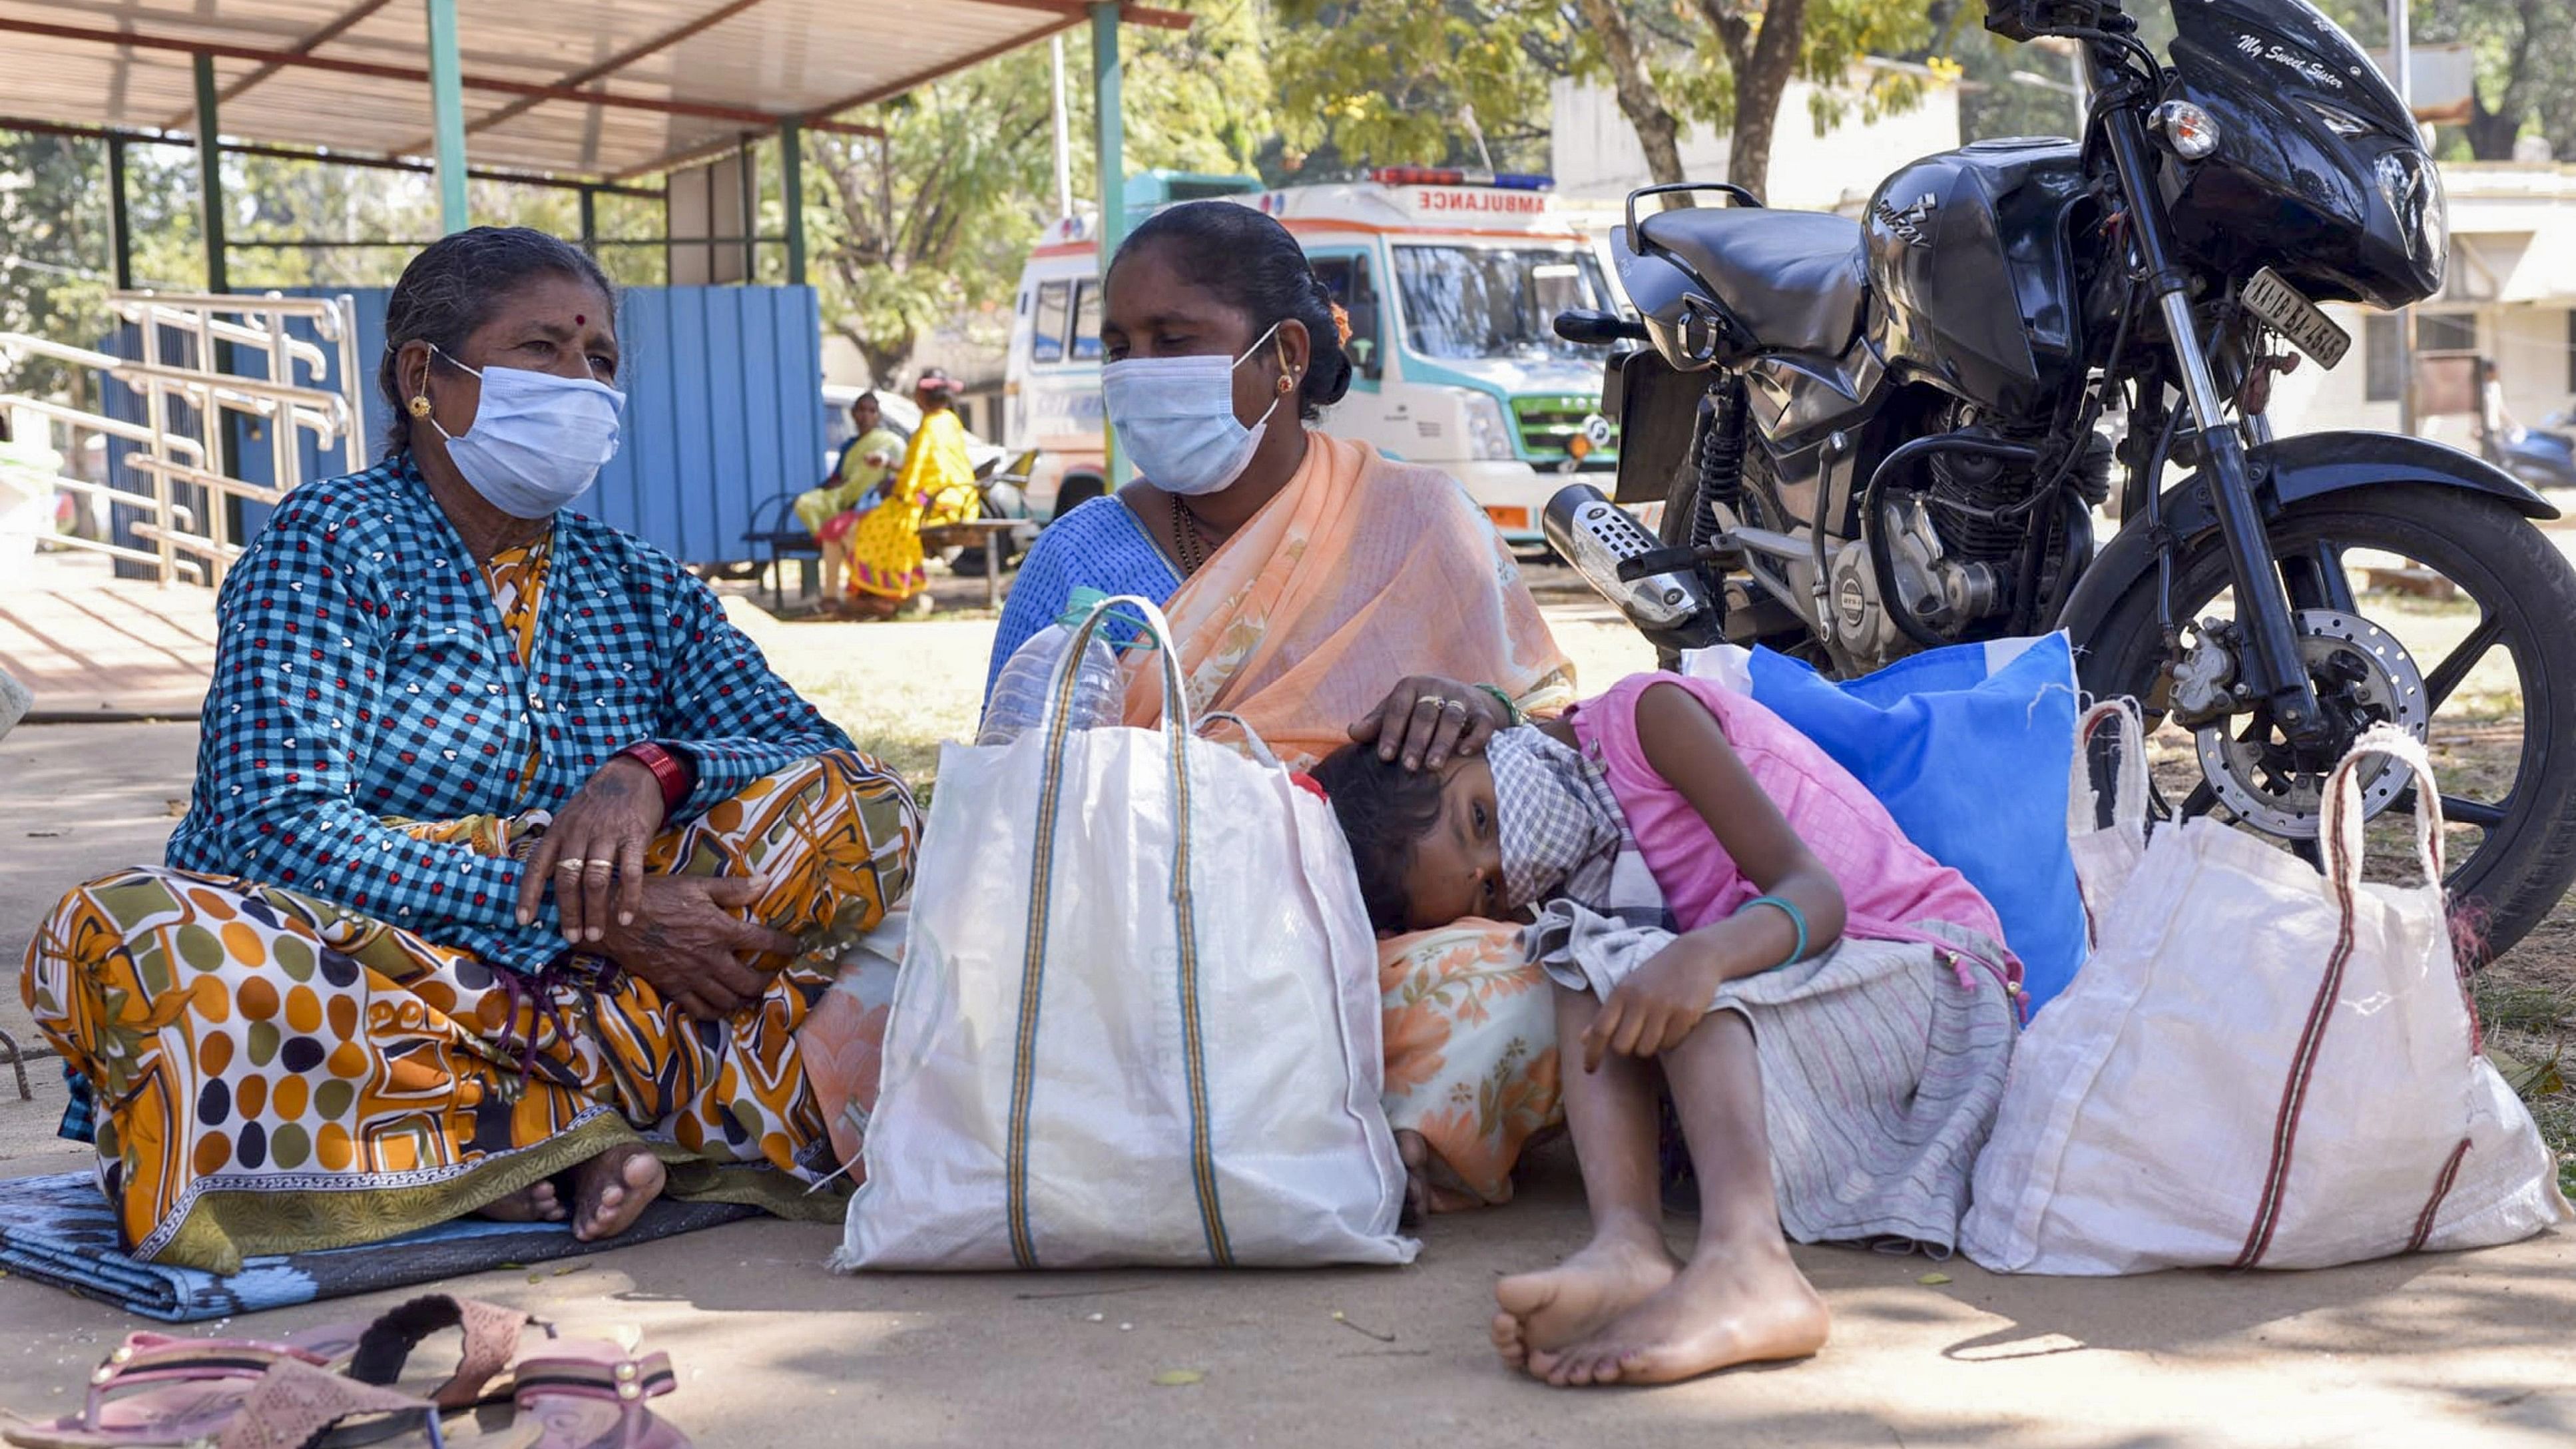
<point x="158" y="1358"/>
<point x="294" y="1404"/>
<point x="491" y="1341"/>
<point x="622" y="1380"/>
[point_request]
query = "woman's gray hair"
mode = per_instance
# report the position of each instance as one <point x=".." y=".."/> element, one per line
<point x="455" y="285"/>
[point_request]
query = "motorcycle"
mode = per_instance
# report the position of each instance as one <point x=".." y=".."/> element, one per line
<point x="2543" y="456"/>
<point x="1876" y="436"/>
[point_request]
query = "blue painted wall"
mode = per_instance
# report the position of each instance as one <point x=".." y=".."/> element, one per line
<point x="723" y="412"/>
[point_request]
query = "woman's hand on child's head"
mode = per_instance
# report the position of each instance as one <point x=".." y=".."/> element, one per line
<point x="1649" y="1013"/>
<point x="1427" y="719"/>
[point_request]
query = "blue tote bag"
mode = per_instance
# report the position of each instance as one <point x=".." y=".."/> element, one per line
<point x="1969" y="748"/>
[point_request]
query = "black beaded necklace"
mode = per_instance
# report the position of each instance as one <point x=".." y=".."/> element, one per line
<point x="1187" y="541"/>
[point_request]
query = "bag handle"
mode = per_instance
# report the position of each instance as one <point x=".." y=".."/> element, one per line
<point x="2128" y="776"/>
<point x="2340" y="838"/>
<point x="1252" y="739"/>
<point x="1177" y="731"/>
<point x="1060" y="684"/>
<point x="2339" y="833"/>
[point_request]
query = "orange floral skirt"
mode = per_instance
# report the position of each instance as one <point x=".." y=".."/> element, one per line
<point x="274" y="1073"/>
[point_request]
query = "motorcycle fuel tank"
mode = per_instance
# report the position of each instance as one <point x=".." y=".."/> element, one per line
<point x="1971" y="286"/>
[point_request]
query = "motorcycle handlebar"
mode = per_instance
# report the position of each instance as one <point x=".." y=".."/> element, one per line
<point x="1598" y="329"/>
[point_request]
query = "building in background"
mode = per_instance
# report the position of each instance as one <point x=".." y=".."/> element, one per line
<point x="2509" y="296"/>
<point x="1595" y="156"/>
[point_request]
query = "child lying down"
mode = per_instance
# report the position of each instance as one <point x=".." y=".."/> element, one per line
<point x="1722" y="905"/>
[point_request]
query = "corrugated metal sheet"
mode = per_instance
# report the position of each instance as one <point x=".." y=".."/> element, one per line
<point x="781" y="58"/>
<point x="723" y="413"/>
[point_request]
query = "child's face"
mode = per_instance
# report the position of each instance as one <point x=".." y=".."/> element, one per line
<point x="1457" y="867"/>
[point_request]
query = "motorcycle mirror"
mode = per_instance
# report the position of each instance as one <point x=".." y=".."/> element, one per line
<point x="1596" y="536"/>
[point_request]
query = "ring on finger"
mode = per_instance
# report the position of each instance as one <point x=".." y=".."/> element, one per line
<point x="570" y="864"/>
<point x="1449" y="705"/>
<point x="600" y="864"/>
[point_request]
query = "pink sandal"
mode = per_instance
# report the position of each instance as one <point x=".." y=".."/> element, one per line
<point x="589" y="1395"/>
<point x="157" y="1389"/>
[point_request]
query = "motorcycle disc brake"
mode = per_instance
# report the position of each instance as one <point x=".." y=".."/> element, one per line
<point x="2362" y="671"/>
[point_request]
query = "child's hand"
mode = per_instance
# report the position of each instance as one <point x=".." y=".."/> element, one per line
<point x="1650" y="1012"/>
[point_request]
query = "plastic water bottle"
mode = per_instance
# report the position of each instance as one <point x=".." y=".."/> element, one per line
<point x="1020" y="695"/>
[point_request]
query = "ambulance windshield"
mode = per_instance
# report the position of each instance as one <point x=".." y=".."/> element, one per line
<point x="1495" y="302"/>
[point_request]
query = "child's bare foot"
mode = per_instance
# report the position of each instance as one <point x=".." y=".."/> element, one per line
<point x="538" y="1202"/>
<point x="1726" y="1308"/>
<point x="611" y="1190"/>
<point x="1543" y="1312"/>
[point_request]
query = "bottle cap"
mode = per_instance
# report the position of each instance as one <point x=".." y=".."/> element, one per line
<point x="1078" y="606"/>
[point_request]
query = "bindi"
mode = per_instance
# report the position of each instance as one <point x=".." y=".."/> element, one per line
<point x="579" y="320"/>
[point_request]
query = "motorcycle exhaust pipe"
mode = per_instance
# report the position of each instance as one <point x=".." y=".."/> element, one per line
<point x="1604" y="542"/>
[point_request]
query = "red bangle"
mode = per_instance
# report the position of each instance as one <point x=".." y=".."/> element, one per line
<point x="674" y="774"/>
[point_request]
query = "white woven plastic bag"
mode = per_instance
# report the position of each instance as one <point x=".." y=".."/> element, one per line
<point x="2261" y="1065"/>
<point x="1138" y="1018"/>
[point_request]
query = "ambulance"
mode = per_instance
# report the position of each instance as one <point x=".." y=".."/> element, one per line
<point x="1451" y="280"/>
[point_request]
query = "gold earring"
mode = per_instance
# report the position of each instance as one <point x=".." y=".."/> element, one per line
<point x="420" y="406"/>
<point x="1286" y="384"/>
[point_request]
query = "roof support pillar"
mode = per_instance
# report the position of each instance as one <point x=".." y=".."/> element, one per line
<point x="120" y="226"/>
<point x="589" y="219"/>
<point x="1110" y="127"/>
<point x="210" y="179"/>
<point x="447" y="114"/>
<point x="791" y="165"/>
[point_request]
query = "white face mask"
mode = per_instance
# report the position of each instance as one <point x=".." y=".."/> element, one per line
<point x="538" y="440"/>
<point x="1175" y="419"/>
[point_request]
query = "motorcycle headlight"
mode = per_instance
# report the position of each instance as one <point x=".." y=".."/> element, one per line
<point x="1489" y="435"/>
<point x="2413" y="190"/>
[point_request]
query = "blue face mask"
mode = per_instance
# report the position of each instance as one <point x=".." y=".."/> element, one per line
<point x="538" y="440"/>
<point x="1175" y="419"/>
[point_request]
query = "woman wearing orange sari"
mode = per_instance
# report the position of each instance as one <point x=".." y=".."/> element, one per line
<point x="1322" y="593"/>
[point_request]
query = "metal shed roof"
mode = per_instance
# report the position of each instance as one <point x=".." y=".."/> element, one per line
<point x="597" y="88"/>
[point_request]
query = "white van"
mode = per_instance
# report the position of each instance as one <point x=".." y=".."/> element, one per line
<point x="1451" y="283"/>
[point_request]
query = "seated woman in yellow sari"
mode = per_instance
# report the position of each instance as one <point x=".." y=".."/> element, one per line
<point x="1321" y="592"/>
<point x="934" y="486"/>
<point x="867" y="461"/>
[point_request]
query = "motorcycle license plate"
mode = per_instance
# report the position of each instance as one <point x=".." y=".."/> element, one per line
<point x="2309" y="329"/>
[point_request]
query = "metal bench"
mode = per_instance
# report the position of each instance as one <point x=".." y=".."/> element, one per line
<point x="777" y="536"/>
<point x="991" y="533"/>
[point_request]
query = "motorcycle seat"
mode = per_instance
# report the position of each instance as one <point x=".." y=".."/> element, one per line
<point x="1794" y="277"/>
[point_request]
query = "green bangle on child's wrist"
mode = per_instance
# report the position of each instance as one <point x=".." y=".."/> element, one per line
<point x="1797" y="918"/>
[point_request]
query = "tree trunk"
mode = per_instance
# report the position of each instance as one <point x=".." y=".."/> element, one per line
<point x="1656" y="129"/>
<point x="1760" y="77"/>
<point x="2492" y="132"/>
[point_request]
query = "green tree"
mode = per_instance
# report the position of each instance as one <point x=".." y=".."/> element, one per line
<point x="2526" y="64"/>
<point x="932" y="221"/>
<point x="1397" y="76"/>
<point x="55" y="264"/>
<point x="1443" y="81"/>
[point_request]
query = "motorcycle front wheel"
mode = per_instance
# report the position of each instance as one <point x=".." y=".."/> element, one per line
<point x="2482" y="607"/>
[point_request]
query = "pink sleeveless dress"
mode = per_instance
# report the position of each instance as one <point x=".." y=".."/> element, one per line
<point x="1889" y="885"/>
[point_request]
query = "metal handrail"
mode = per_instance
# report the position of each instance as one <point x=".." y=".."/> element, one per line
<point x="331" y="417"/>
<point x="302" y="351"/>
<point x="223" y="483"/>
<point x="113" y="427"/>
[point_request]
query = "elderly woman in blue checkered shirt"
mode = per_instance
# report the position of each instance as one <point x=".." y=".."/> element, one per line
<point x="511" y="869"/>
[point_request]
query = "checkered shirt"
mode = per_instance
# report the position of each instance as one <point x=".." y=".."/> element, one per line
<point x="363" y="671"/>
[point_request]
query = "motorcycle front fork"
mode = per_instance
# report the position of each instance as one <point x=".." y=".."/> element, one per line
<point x="2271" y="669"/>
